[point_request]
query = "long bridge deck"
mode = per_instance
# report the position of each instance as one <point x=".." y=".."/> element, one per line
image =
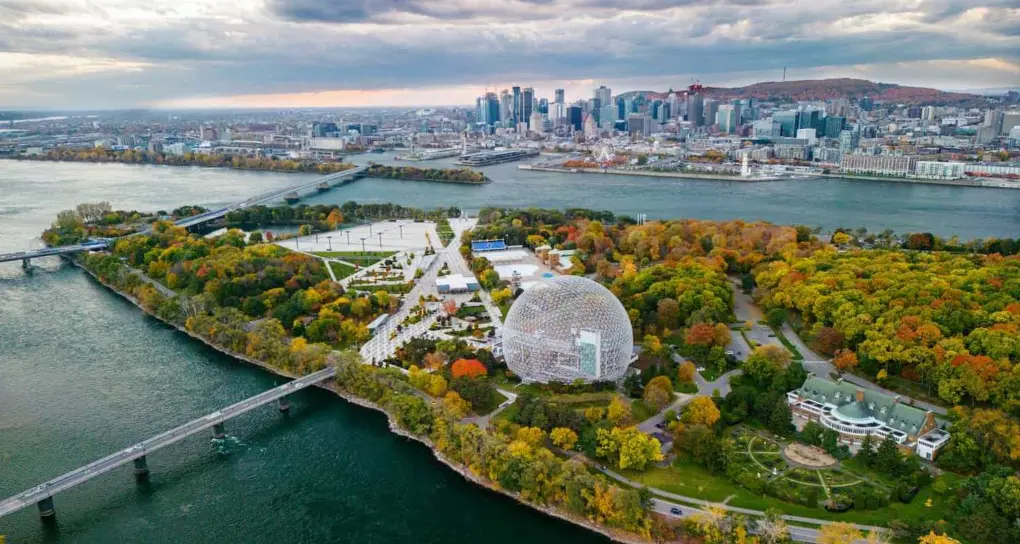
<point x="127" y="455"/>
<point x="48" y="251"/>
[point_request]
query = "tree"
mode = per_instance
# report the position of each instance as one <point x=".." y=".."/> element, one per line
<point x="888" y="458"/>
<point x="765" y="362"/>
<point x="618" y="411"/>
<point x="780" y="418"/>
<point x="255" y="237"/>
<point x="685" y="372"/>
<point x="845" y="360"/>
<point x="841" y="238"/>
<point x="932" y="538"/>
<point x="594" y="414"/>
<point x="652" y="345"/>
<point x="867" y="452"/>
<point x="532" y="436"/>
<point x="467" y="367"/>
<point x="773" y="528"/>
<point x="627" y="448"/>
<point x="304" y="230"/>
<point x="658" y="392"/>
<point x="1005" y="494"/>
<point x="563" y="438"/>
<point x="668" y="313"/>
<point x="67" y="222"/>
<point x="838" y="533"/>
<point x="455" y="405"/>
<point x="335" y="218"/>
<point x="775" y="318"/>
<point x="701" y="411"/>
<point x="830" y="340"/>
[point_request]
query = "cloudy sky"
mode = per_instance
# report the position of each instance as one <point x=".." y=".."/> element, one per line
<point x="213" y="53"/>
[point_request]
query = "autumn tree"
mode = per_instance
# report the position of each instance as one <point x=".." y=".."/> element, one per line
<point x="335" y="218"/>
<point x="618" y="411"/>
<point x="627" y="448"/>
<point x="563" y="438"/>
<point x="765" y="362"/>
<point x="838" y="533"/>
<point x="701" y="411"/>
<point x="658" y="392"/>
<point x="467" y="367"/>
<point x="532" y="436"/>
<point x="830" y="340"/>
<point x="685" y="372"/>
<point x="845" y="360"/>
<point x="456" y="406"/>
<point x="933" y="538"/>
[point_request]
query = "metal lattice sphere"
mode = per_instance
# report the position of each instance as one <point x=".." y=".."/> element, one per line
<point x="567" y="328"/>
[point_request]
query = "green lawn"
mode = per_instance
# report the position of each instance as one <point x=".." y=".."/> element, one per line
<point x="689" y="479"/>
<point x="688" y="388"/>
<point x="640" y="411"/>
<point x="505" y="308"/>
<point x="341" y="270"/>
<point x="364" y="258"/>
<point x="793" y="350"/>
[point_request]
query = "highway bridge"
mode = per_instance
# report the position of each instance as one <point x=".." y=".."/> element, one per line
<point x="25" y="256"/>
<point x="42" y="494"/>
<point x="270" y="196"/>
<point x="337" y="178"/>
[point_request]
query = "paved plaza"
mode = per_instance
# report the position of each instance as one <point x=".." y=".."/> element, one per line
<point x="400" y="235"/>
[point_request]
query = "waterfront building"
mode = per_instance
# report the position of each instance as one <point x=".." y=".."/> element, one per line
<point x="998" y="169"/>
<point x="807" y="134"/>
<point x="939" y="170"/>
<point x="793" y="152"/>
<point x="826" y="154"/>
<point x="855" y="412"/>
<point x="879" y="165"/>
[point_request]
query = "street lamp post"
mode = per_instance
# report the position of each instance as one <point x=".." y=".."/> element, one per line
<point x="316" y="237"/>
<point x="380" y="240"/>
<point x="362" y="245"/>
<point x="329" y="240"/>
<point x="348" y="237"/>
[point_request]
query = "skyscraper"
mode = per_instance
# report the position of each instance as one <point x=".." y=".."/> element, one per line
<point x="543" y="106"/>
<point x="696" y="109"/>
<point x="726" y="118"/>
<point x="559" y="96"/>
<point x="505" y="108"/>
<point x="711" y="108"/>
<point x="621" y="108"/>
<point x="849" y="140"/>
<point x="607" y="116"/>
<point x="787" y="121"/>
<point x="674" y="103"/>
<point x="515" y="114"/>
<point x="490" y="109"/>
<point x="575" y="115"/>
<point x="527" y="104"/>
<point x="603" y="94"/>
<point x="833" y="126"/>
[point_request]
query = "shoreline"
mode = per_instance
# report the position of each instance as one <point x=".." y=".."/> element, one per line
<point x="977" y="183"/>
<point x="211" y="167"/>
<point x="616" y="536"/>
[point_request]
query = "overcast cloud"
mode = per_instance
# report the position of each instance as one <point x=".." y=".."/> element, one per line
<point x="124" y="53"/>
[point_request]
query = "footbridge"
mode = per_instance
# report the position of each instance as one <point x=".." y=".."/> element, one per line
<point x="42" y="494"/>
<point x="25" y="256"/>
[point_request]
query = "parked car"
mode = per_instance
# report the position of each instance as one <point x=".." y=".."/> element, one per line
<point x="676" y="511"/>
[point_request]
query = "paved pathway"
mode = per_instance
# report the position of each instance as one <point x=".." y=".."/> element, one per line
<point x="648" y="426"/>
<point x="722" y="383"/>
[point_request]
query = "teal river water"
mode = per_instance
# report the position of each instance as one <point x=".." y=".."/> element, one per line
<point x="83" y="373"/>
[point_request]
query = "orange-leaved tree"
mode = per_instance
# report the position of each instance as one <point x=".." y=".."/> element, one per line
<point x="468" y="367"/>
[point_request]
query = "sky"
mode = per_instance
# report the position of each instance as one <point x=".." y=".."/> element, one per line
<point x="112" y="54"/>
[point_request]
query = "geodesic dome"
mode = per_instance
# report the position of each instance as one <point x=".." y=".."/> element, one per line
<point x="567" y="328"/>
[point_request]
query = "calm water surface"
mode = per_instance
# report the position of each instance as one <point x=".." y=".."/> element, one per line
<point x="83" y="373"/>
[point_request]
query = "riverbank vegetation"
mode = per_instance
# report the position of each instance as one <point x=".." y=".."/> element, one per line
<point x="215" y="160"/>
<point x="449" y="175"/>
<point x="92" y="220"/>
<point x="321" y="217"/>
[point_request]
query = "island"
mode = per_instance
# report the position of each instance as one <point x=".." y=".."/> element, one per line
<point x="857" y="383"/>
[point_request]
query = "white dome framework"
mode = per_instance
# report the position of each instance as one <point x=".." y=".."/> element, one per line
<point x="567" y="328"/>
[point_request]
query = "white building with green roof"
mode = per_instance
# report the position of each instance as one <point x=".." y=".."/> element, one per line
<point x="855" y="412"/>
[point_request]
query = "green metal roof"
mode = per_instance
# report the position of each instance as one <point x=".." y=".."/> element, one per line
<point x="882" y="407"/>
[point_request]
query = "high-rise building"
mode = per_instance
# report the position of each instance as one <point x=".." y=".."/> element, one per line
<point x="621" y="108"/>
<point x="833" y="126"/>
<point x="849" y="140"/>
<point x="527" y="104"/>
<point x="575" y="117"/>
<point x="324" y="129"/>
<point x="607" y="116"/>
<point x="490" y="109"/>
<point x="591" y="130"/>
<point x="639" y="125"/>
<point x="726" y="118"/>
<point x="594" y="107"/>
<point x="711" y="108"/>
<point x="559" y="96"/>
<point x="505" y="108"/>
<point x="787" y="122"/>
<point x="767" y="129"/>
<point x="696" y="109"/>
<point x="1010" y="119"/>
<point x="543" y="106"/>
<point x="536" y="122"/>
<point x="928" y="113"/>
<point x="516" y="110"/>
<point x="866" y="103"/>
<point x="604" y="94"/>
<point x="674" y="104"/>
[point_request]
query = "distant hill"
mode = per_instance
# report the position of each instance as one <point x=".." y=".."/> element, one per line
<point x="827" y="89"/>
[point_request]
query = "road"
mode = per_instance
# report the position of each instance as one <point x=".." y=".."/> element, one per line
<point x="648" y="426"/>
<point x="797" y="534"/>
<point x="129" y="454"/>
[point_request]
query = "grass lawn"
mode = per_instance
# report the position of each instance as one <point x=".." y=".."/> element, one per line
<point x="505" y="308"/>
<point x="364" y="258"/>
<point x="688" y="388"/>
<point x="710" y="374"/>
<point x="341" y="270"/>
<point x="689" y="479"/>
<point x="640" y="411"/>
<point x="793" y="350"/>
<point x="509" y="414"/>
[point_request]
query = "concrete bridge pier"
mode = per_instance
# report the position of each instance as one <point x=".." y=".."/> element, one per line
<point x="219" y="432"/>
<point x="284" y="404"/>
<point x="46" y="509"/>
<point x="141" y="470"/>
<point x="25" y="263"/>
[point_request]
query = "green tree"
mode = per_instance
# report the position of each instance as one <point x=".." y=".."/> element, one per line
<point x="888" y="458"/>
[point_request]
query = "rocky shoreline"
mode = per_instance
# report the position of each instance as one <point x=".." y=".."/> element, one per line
<point x="618" y="536"/>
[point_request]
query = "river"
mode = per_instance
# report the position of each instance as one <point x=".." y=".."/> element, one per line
<point x="84" y="373"/>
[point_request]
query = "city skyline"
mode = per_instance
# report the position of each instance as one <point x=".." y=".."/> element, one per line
<point x="57" y="54"/>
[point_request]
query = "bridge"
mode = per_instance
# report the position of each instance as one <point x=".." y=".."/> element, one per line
<point x="188" y="222"/>
<point x="270" y="196"/>
<point x="42" y="494"/>
<point x="25" y="256"/>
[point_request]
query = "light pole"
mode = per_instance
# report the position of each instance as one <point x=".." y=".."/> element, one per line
<point x="329" y="240"/>
<point x="316" y="237"/>
<point x="348" y="237"/>
<point x="362" y="245"/>
<point x="380" y="240"/>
